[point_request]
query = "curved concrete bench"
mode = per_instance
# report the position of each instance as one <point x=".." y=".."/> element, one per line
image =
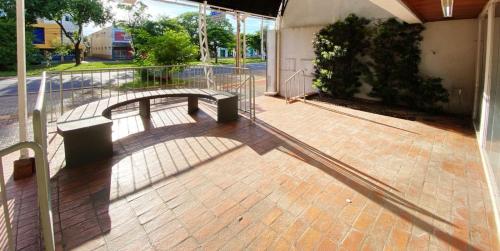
<point x="87" y="129"/>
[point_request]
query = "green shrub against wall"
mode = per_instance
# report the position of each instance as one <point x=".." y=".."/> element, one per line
<point x="385" y="54"/>
<point x="395" y="59"/>
<point x="339" y="48"/>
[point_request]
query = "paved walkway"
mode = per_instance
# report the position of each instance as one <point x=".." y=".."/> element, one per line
<point x="302" y="177"/>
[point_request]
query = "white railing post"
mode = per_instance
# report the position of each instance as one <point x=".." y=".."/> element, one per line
<point x="42" y="165"/>
<point x="6" y="213"/>
<point x="21" y="75"/>
<point x="42" y="192"/>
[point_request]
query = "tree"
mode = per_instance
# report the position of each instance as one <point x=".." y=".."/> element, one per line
<point x="189" y="21"/>
<point x="137" y="17"/>
<point x="220" y="31"/>
<point x="81" y="12"/>
<point x="8" y="46"/>
<point x="254" y="41"/>
<point x="32" y="9"/>
<point x="220" y="35"/>
<point x="163" y="42"/>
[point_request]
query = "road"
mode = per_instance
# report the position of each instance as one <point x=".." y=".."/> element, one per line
<point x="8" y="87"/>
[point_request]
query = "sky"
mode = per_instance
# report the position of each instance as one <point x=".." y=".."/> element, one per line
<point x="157" y="9"/>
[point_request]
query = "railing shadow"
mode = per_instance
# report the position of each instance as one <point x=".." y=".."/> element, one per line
<point x="359" y="117"/>
<point x="97" y="179"/>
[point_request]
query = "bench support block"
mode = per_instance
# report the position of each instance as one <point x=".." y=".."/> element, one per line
<point x="145" y="108"/>
<point x="227" y="109"/>
<point x="89" y="144"/>
<point x="192" y="105"/>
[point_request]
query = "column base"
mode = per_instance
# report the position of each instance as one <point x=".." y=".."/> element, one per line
<point x="24" y="168"/>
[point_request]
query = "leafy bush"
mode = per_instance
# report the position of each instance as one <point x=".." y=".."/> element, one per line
<point x="8" y="47"/>
<point x="426" y="94"/>
<point x="339" y="48"/>
<point x="173" y="47"/>
<point x="394" y="75"/>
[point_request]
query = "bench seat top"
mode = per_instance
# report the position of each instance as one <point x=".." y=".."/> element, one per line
<point x="97" y="109"/>
<point x="77" y="125"/>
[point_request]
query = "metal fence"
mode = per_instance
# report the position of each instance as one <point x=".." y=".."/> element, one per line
<point x="61" y="91"/>
<point x="69" y="89"/>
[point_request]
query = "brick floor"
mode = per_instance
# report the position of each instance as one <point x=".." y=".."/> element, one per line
<point x="302" y="177"/>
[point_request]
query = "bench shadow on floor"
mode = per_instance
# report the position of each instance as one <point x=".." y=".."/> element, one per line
<point x="151" y="153"/>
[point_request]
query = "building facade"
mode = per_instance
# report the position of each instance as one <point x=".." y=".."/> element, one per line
<point x="47" y="33"/>
<point x="111" y="43"/>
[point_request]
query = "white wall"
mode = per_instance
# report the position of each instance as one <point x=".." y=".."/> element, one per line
<point x="448" y="49"/>
<point x="302" y="19"/>
<point x="296" y="54"/>
<point x="301" y="13"/>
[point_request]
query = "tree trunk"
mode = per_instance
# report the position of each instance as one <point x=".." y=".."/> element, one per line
<point x="216" y="56"/>
<point x="78" y="59"/>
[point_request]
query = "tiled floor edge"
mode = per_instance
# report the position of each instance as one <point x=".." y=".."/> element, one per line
<point x="492" y="186"/>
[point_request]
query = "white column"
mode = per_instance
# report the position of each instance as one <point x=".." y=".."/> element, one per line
<point x="21" y="75"/>
<point x="205" y="52"/>
<point x="490" y="39"/>
<point x="262" y="56"/>
<point x="244" y="40"/>
<point x="278" y="54"/>
<point x="202" y="33"/>
<point x="238" y="40"/>
<point x="479" y="69"/>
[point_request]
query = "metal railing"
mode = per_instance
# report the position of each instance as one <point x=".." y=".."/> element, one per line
<point x="60" y="91"/>
<point x="69" y="89"/>
<point x="39" y="147"/>
<point x="295" y="87"/>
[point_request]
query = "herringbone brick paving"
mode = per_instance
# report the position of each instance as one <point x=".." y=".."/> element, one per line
<point x="302" y="177"/>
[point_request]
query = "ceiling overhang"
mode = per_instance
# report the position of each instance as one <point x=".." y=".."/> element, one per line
<point x="431" y="10"/>
<point x="269" y="8"/>
<point x="398" y="9"/>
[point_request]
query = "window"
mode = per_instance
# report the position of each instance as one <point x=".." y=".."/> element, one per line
<point x="38" y="35"/>
<point x="67" y="18"/>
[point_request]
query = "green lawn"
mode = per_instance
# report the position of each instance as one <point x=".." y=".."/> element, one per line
<point x="37" y="70"/>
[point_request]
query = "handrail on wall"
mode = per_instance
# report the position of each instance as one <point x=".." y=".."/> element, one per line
<point x="298" y="89"/>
